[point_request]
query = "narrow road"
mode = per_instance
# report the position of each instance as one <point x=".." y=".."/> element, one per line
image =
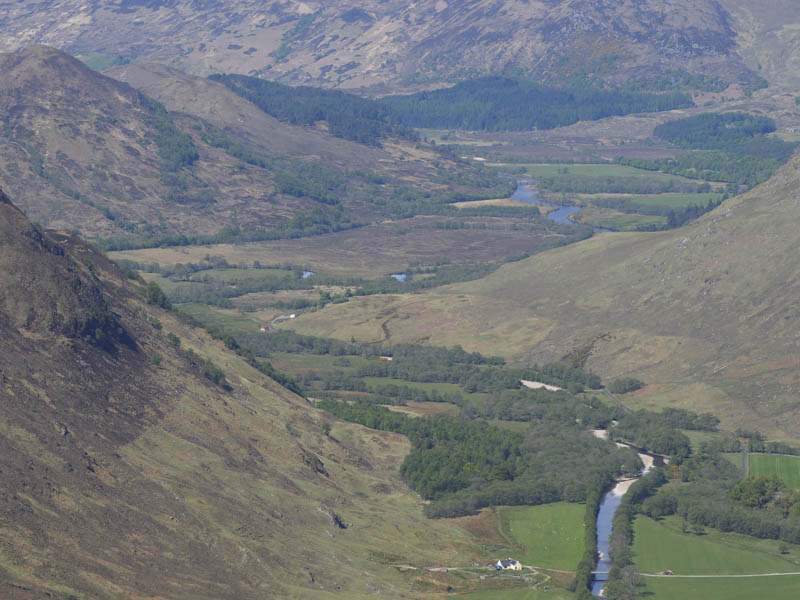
<point x="278" y="319"/>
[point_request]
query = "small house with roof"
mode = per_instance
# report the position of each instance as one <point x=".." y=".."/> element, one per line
<point x="508" y="564"/>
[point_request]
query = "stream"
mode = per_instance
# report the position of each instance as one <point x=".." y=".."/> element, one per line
<point x="605" y="516"/>
<point x="523" y="193"/>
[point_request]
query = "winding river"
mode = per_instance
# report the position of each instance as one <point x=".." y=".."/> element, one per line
<point x="605" y="516"/>
<point x="613" y="498"/>
<point x="524" y="193"/>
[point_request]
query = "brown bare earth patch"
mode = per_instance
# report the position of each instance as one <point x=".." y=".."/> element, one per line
<point x="483" y="527"/>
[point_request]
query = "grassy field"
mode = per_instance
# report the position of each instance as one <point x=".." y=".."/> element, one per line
<point x="594" y="170"/>
<point x="787" y="468"/>
<point x="623" y="222"/>
<point x="550" y="535"/>
<point x="696" y="437"/>
<point x="660" y="545"/>
<point x="222" y="318"/>
<point x="229" y="275"/>
<point x="537" y="593"/>
<point x="667" y="200"/>
<point x="768" y="588"/>
<point x="734" y="457"/>
<point x="442" y="388"/>
<point x="302" y="362"/>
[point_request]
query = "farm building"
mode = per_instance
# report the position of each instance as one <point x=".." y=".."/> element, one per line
<point x="508" y="564"/>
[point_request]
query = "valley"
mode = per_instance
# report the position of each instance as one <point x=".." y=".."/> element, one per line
<point x="436" y="300"/>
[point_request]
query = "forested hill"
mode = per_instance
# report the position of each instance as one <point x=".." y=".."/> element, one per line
<point x="732" y="147"/>
<point x="503" y="104"/>
<point x="347" y="116"/>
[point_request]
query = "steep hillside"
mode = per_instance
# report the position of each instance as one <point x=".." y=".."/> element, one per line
<point x="706" y="313"/>
<point x="126" y="473"/>
<point x="214" y="103"/>
<point x="357" y="44"/>
<point x="83" y="151"/>
<point x="768" y="39"/>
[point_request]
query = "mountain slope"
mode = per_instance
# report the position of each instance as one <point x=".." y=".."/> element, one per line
<point x="768" y="39"/>
<point x="83" y="151"/>
<point x="124" y="476"/>
<point x="706" y="313"/>
<point x="214" y="103"/>
<point x="379" y="41"/>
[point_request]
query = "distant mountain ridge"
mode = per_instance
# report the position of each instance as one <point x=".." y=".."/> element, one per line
<point x="401" y="44"/>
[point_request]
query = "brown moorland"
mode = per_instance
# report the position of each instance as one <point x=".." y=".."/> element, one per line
<point x="127" y="473"/>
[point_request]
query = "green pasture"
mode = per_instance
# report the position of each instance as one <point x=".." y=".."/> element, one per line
<point x="549" y="535"/>
<point x="222" y="318"/>
<point x="785" y="587"/>
<point x="733" y="457"/>
<point x="661" y="545"/>
<point x="232" y="275"/>
<point x="697" y="437"/>
<point x="624" y="222"/>
<point x="787" y="468"/>
<point x="537" y="593"/>
<point x="677" y="200"/>
<point x="167" y="284"/>
<point x="298" y="363"/>
<point x="442" y="388"/>
<point x="595" y="170"/>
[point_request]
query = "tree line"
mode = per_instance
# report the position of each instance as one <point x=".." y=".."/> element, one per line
<point x="464" y="465"/>
<point x="736" y="147"/>
<point x="502" y="104"/>
<point x="348" y="116"/>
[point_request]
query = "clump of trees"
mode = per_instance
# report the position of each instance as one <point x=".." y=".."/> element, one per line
<point x="712" y="493"/>
<point x="102" y="329"/>
<point x="625" y="385"/>
<point x="156" y="296"/>
<point x="756" y="492"/>
<point x="209" y="370"/>
<point x="463" y="465"/>
<point x="502" y="104"/>
<point x="714" y="130"/>
<point x="348" y="116"/>
<point x="738" y="150"/>
<point x="174" y="146"/>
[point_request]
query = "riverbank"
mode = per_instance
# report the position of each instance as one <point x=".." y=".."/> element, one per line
<point x="605" y="516"/>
